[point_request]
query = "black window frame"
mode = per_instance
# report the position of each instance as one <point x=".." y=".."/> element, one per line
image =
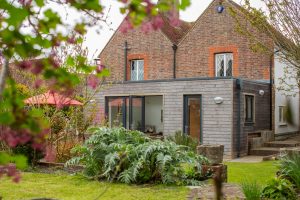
<point x="252" y="109"/>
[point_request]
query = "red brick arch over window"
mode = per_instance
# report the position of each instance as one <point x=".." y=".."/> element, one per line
<point x="223" y="49"/>
<point x="137" y="57"/>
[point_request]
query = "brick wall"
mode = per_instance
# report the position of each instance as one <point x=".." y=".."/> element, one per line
<point x="262" y="113"/>
<point x="154" y="46"/>
<point x="216" y="119"/>
<point x="212" y="33"/>
<point x="215" y="33"/>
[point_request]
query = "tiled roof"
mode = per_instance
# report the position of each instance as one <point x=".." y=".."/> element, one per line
<point x="175" y="33"/>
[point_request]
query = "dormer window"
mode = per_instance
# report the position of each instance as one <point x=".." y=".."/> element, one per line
<point x="137" y="70"/>
<point x="223" y="64"/>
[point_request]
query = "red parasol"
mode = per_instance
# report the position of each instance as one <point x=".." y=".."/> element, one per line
<point x="52" y="98"/>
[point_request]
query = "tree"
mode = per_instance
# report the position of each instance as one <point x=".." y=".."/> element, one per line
<point x="281" y="23"/>
<point x="32" y="28"/>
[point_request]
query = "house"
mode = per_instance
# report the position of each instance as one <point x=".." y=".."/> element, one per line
<point x="286" y="97"/>
<point x="200" y="78"/>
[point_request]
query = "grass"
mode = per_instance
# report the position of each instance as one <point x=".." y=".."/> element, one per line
<point x="260" y="173"/>
<point x="252" y="190"/>
<point x="67" y="187"/>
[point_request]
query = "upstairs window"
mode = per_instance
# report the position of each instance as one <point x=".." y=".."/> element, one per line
<point x="137" y="70"/>
<point x="223" y="63"/>
<point x="249" y="108"/>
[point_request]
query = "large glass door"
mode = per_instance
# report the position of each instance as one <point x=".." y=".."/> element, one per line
<point x="128" y="112"/>
<point x="137" y="113"/>
<point x="192" y="116"/>
<point x="117" y="111"/>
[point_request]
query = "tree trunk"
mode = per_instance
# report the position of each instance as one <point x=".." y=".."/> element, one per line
<point x="3" y="75"/>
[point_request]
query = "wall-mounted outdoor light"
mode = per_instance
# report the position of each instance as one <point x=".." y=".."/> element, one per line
<point x="220" y="7"/>
<point x="218" y="100"/>
<point x="261" y="92"/>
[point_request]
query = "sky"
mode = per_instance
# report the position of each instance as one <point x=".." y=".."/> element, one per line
<point x="96" y="41"/>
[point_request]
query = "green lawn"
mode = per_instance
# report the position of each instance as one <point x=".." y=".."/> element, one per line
<point x="260" y="172"/>
<point x="68" y="187"/>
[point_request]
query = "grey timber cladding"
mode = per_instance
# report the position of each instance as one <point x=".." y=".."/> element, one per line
<point x="216" y="119"/>
<point x="262" y="113"/>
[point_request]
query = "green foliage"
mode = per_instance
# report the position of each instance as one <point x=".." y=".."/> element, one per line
<point x="289" y="167"/>
<point x="23" y="90"/>
<point x="130" y="157"/>
<point x="12" y="111"/>
<point x="185" y="140"/>
<point x="252" y="190"/>
<point x="28" y="29"/>
<point x="31" y="154"/>
<point x="19" y="160"/>
<point x="279" y="188"/>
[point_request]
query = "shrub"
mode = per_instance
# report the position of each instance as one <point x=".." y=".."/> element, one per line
<point x="185" y="140"/>
<point x="279" y="188"/>
<point x="131" y="157"/>
<point x="252" y="190"/>
<point x="289" y="167"/>
<point x="31" y="154"/>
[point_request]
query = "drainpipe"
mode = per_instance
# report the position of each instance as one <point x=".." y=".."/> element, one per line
<point x="174" y="60"/>
<point x="271" y="91"/>
<point x="125" y="60"/>
<point x="239" y="88"/>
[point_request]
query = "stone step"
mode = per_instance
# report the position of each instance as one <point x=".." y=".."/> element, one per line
<point x="264" y="151"/>
<point x="282" y="144"/>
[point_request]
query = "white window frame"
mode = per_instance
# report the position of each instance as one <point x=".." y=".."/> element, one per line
<point x="281" y="116"/>
<point x="225" y="57"/>
<point x="138" y="61"/>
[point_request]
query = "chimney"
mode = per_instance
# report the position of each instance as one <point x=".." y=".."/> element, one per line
<point x="173" y="12"/>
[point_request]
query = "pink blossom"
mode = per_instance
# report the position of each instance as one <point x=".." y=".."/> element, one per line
<point x="38" y="83"/>
<point x="11" y="171"/>
<point x="93" y="81"/>
<point x="37" y="68"/>
<point x="25" y="64"/>
<point x="147" y="27"/>
<point x="54" y="61"/>
<point x="25" y="3"/>
<point x="100" y="68"/>
<point x="174" y="20"/>
<point x="71" y="40"/>
<point x="126" y="26"/>
<point x="157" y="22"/>
<point x="149" y="6"/>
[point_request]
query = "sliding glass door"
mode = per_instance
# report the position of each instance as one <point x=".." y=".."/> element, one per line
<point x="117" y="111"/>
<point x="192" y="116"/>
<point x="137" y="113"/>
<point x="128" y="112"/>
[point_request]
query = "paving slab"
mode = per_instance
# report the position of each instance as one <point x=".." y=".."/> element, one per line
<point x="207" y="192"/>
<point x="248" y="159"/>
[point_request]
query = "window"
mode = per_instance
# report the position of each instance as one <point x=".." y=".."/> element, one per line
<point x="249" y="108"/>
<point x="282" y="117"/>
<point x="223" y="63"/>
<point x="137" y="70"/>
